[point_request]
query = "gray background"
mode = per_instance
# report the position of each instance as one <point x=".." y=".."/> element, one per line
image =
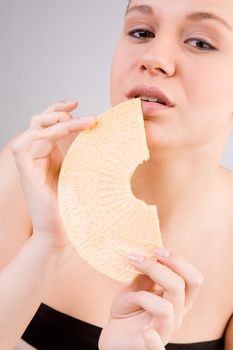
<point x="58" y="49"/>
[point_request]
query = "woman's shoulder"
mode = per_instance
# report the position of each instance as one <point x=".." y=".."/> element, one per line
<point x="15" y="222"/>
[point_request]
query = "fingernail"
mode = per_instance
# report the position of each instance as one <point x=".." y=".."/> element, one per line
<point x="68" y="102"/>
<point x="162" y="252"/>
<point x="136" y="258"/>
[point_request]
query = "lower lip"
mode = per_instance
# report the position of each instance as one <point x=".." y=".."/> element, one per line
<point x="151" y="107"/>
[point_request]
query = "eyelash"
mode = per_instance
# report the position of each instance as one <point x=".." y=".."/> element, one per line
<point x="132" y="32"/>
<point x="208" y="47"/>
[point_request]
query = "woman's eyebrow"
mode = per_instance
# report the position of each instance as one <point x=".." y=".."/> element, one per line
<point x="199" y="16"/>
<point x="145" y="9"/>
<point x="193" y="16"/>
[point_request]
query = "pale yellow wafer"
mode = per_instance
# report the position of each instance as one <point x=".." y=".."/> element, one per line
<point x="103" y="219"/>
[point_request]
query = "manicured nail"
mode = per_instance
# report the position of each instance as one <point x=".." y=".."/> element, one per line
<point x="136" y="258"/>
<point x="162" y="252"/>
<point x="68" y="102"/>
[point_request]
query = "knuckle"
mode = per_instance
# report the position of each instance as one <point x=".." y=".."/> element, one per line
<point x="198" y="280"/>
<point x="15" y="148"/>
<point x="18" y="145"/>
<point x="179" y="284"/>
<point x="18" y="153"/>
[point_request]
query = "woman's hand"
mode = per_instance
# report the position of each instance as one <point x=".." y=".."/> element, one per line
<point x="33" y="151"/>
<point x="22" y="345"/>
<point x="147" y="312"/>
<point x="26" y="280"/>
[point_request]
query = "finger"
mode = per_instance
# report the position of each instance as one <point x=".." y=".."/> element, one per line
<point x="60" y="130"/>
<point x="161" y="309"/>
<point x="46" y="121"/>
<point x="49" y="119"/>
<point x="121" y="305"/>
<point x="54" y="132"/>
<point x="172" y="284"/>
<point x="191" y="275"/>
<point x="62" y="106"/>
<point x="36" y="143"/>
<point x="152" y="340"/>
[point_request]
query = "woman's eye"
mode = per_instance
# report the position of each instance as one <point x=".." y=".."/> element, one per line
<point x="141" y="34"/>
<point x="201" y="44"/>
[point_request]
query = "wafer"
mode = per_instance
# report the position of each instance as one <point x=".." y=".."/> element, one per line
<point x="103" y="219"/>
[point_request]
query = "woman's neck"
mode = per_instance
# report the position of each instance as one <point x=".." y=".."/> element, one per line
<point x="177" y="182"/>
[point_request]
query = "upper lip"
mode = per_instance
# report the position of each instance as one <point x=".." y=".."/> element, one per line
<point x="150" y="91"/>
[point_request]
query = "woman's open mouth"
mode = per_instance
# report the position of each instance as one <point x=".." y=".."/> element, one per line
<point x="152" y="98"/>
<point x="150" y="104"/>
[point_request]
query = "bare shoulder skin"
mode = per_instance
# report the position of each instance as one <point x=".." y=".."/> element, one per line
<point x="14" y="216"/>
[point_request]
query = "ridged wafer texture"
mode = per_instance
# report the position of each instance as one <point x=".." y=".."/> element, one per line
<point x="103" y="219"/>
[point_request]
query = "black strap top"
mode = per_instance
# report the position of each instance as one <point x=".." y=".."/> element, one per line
<point x="53" y="330"/>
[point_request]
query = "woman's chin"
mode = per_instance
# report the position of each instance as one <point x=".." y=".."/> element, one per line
<point x="154" y="135"/>
<point x="160" y="138"/>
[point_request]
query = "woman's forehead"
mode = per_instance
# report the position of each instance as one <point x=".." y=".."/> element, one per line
<point x="221" y="6"/>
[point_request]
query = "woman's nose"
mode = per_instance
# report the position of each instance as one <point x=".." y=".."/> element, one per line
<point x="159" y="58"/>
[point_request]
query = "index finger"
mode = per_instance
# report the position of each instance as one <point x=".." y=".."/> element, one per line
<point x="191" y="275"/>
<point x="62" y="106"/>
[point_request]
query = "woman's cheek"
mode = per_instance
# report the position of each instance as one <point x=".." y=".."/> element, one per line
<point x="113" y="82"/>
<point x="118" y="75"/>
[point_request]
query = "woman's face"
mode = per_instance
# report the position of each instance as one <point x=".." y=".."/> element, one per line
<point x="184" y="49"/>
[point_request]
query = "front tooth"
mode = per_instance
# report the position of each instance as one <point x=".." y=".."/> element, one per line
<point x="150" y="99"/>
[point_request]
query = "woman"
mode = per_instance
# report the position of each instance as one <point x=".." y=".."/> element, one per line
<point x="181" y="52"/>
